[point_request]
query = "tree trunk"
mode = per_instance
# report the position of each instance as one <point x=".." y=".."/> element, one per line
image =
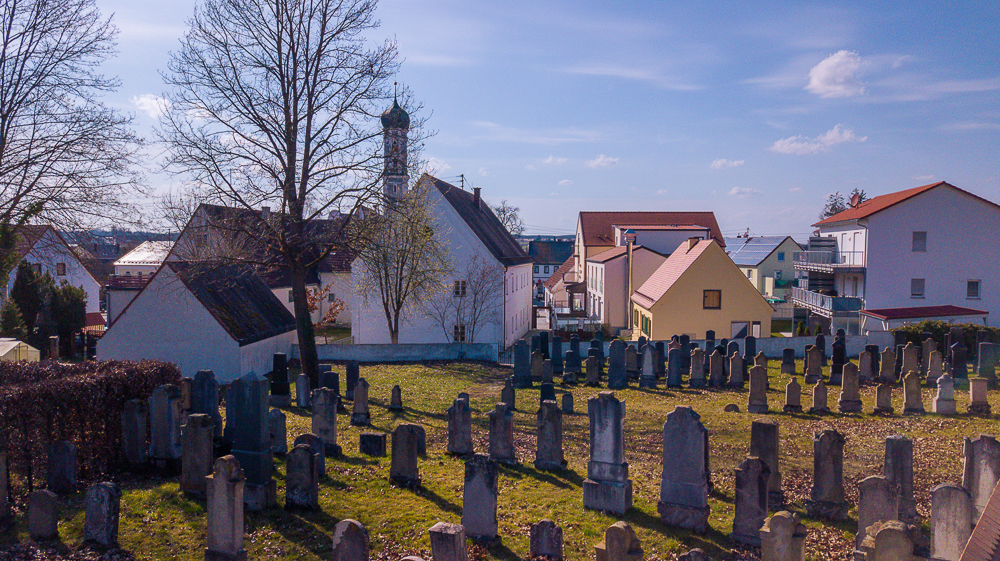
<point x="304" y="325"/>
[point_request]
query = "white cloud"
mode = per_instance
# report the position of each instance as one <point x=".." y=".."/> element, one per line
<point x="435" y="165"/>
<point x="795" y="189"/>
<point x="602" y="161"/>
<point x="723" y="163"/>
<point x="836" y="76"/>
<point x="500" y="133"/>
<point x="554" y="160"/>
<point x="662" y="192"/>
<point x="152" y="105"/>
<point x="482" y="172"/>
<point x="744" y="192"/>
<point x="657" y="79"/>
<point x="802" y="145"/>
<point x="923" y="177"/>
<point x="565" y="183"/>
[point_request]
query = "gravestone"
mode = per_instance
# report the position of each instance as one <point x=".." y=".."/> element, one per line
<point x="547" y="374"/>
<point x="648" y="377"/>
<point x="736" y="366"/>
<point x="660" y="360"/>
<point x="372" y="444"/>
<point x="537" y="360"/>
<point x="620" y="544"/>
<point x="927" y="346"/>
<point x="301" y="479"/>
<point x="279" y="432"/>
<point x="944" y="402"/>
<point x="459" y="428"/>
<point x="593" y="372"/>
<point x="248" y="398"/>
<point x="544" y="343"/>
<point x="556" y="355"/>
<point x="783" y="538"/>
<point x="821" y="401"/>
<point x="396" y="399"/>
<point x="280" y="388"/>
<point x="574" y="343"/>
<point x="981" y="470"/>
<point x="760" y="360"/>
<point x="898" y="363"/>
<point x="911" y="359"/>
<point x="697" y="379"/>
<point x="641" y="342"/>
<point x="522" y="364"/>
<point x="865" y="367"/>
<point x="546" y="540"/>
<point x="403" y="470"/>
<point x="891" y="540"/>
<point x="571" y="367"/>
<point x="598" y="345"/>
<point x="958" y="360"/>
<point x="315" y="444"/>
<point x="360" y="415"/>
<point x="709" y="343"/>
<point x="103" y="505"/>
<point x="225" y="488"/>
<point x="883" y="400"/>
<point x="751" y="501"/>
<point x="617" y="378"/>
<point x="716" y="369"/>
<point x="913" y="403"/>
<point x="898" y="469"/>
<point x="887" y="366"/>
<point x="814" y="364"/>
<point x="838" y="360"/>
<point x="749" y="348"/>
<point x="536" y="343"/>
<point x="43" y="515"/>
<point x="165" y="428"/>
<point x="877" y="502"/>
<point x="303" y="390"/>
<point x="733" y="348"/>
<point x="850" y="393"/>
<point x="935" y="368"/>
<point x="821" y="345"/>
<point x="352" y="377"/>
<point x="631" y="362"/>
<point x="567" y="403"/>
<point x="198" y="453"/>
<point x="978" y="403"/>
<point x="479" y="500"/>
<point x="205" y="399"/>
<point x="135" y="416"/>
<point x="764" y="444"/>
<point x="185" y="386"/>
<point x="330" y="379"/>
<point x="547" y="392"/>
<point x="951" y="521"/>
<point x="508" y="395"/>
<point x="674" y="368"/>
<point x="788" y="361"/>
<point x="988" y="359"/>
<point x="607" y="486"/>
<point x="874" y="356"/>
<point x="827" y="494"/>
<point x="549" y="448"/>
<point x="684" y="480"/>
<point x="757" y="400"/>
<point x="350" y="541"/>
<point x="793" y="396"/>
<point x="448" y="541"/>
<point x="324" y="420"/>
<point x="502" y="434"/>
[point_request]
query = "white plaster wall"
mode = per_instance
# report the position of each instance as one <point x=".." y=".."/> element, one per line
<point x="48" y="252"/>
<point x="850" y="237"/>
<point x="962" y="244"/>
<point x="342" y="289"/>
<point x="259" y="357"/>
<point x="517" y="303"/>
<point x="118" y="299"/>
<point x="663" y="241"/>
<point x="615" y="290"/>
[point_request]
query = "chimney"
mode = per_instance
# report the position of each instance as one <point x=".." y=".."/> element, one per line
<point x="692" y="242"/>
<point x="265" y="212"/>
<point x="475" y="196"/>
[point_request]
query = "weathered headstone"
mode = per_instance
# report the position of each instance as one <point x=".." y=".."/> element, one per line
<point x="793" y="396"/>
<point x="978" y="403"/>
<point x="827" y="494"/>
<point x="62" y="472"/>
<point x="351" y="379"/>
<point x="544" y="343"/>
<point x="850" y="394"/>
<point x="898" y="469"/>
<point x="959" y="360"/>
<point x="751" y="500"/>
<point x="617" y="377"/>
<point x="303" y="391"/>
<point x="448" y="541"/>
<point x="396" y="399"/>
<point x="927" y="346"/>
<point x="301" y="479"/>
<point x="883" y="400"/>
<point x="648" y="377"/>
<point x="874" y="357"/>
<point x="764" y="444"/>
<point x="547" y="372"/>
<point x="674" y="368"/>
<point x="877" y="502"/>
<point x="360" y="415"/>
<point x="607" y="486"/>
<point x="508" y="395"/>
<point x="537" y="360"/>
<point x="736" y="366"/>
<point x="198" y="455"/>
<point x="280" y="388"/>
<point x="697" y="379"/>
<point x="716" y="368"/>
<point x="757" y="399"/>
<point x="935" y="366"/>
<point x="567" y="403"/>
<point x="556" y="355"/>
<point x="547" y="392"/>
<point x="632" y="362"/>
<point x="981" y="470"/>
<point x="911" y="359"/>
<point x="788" y="361"/>
<point x="459" y="428"/>
<point x="988" y="359"/>
<point x="549" y="451"/>
<point x="43" y="515"/>
<point x="165" y="428"/>
<point x="248" y="397"/>
<point x="898" y="363"/>
<point x="522" y="364"/>
<point x="546" y="540"/>
<point x="593" y="371"/>
<point x="479" y="501"/>
<point x="760" y="359"/>
<point x="135" y="416"/>
<point x="350" y="541"/>
<point x="684" y="481"/>
<point x="660" y="360"/>
<point x="913" y="403"/>
<point x="865" y="364"/>
<point x="372" y="444"/>
<point x="821" y="345"/>
<point x="887" y="366"/>
<point x="814" y="364"/>
<point x="944" y="402"/>
<point x="821" y="403"/>
<point x="571" y="367"/>
<point x="225" y="511"/>
<point x="502" y="434"/>
<point x="403" y="470"/>
<point x="891" y="540"/>
<point x="324" y="420"/>
<point x="620" y="544"/>
<point x="951" y="521"/>
<point x="837" y="363"/>
<point x="318" y="449"/>
<point x="783" y="538"/>
<point x="278" y="431"/>
<point x="103" y="505"/>
<point x="205" y="399"/>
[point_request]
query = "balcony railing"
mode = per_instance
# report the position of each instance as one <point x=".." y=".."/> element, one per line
<point x="827" y="305"/>
<point x="127" y="282"/>
<point x="829" y="259"/>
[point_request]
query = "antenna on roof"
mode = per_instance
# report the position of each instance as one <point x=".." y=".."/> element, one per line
<point x="462" y="177"/>
<point x="395" y="90"/>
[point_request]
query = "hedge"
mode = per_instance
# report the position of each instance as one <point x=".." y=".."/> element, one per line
<point x="46" y="402"/>
<point x="940" y="329"/>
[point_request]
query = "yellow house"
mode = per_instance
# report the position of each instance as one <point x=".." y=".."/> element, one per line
<point x="699" y="288"/>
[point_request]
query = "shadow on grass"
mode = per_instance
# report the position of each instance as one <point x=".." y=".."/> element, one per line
<point x="309" y="529"/>
<point x="564" y="479"/>
<point x="439" y="501"/>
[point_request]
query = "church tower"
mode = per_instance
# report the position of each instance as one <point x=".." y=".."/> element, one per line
<point x="395" y="125"/>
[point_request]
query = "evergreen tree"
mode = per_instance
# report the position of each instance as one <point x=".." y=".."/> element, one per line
<point x="11" y="323"/>
<point x="25" y="293"/>
<point x="69" y="309"/>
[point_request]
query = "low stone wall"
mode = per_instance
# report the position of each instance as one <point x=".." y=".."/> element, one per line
<point x="405" y="353"/>
<point x="772" y="347"/>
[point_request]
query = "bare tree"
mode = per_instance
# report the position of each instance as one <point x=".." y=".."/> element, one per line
<point x="510" y="217"/>
<point x="403" y="261"/>
<point x="472" y="303"/>
<point x="275" y="103"/>
<point x="65" y="157"/>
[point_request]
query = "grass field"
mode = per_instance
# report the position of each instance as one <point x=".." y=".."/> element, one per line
<point x="160" y="523"/>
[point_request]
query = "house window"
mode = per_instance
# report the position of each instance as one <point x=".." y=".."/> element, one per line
<point x="536" y="269"/>
<point x="291" y="296"/>
<point x="919" y="241"/>
<point x="712" y="300"/>
<point x="750" y="274"/>
<point x="546" y="269"/>
<point x="972" y="289"/>
<point x="781" y="256"/>
<point x="61" y="269"/>
<point x="739" y="329"/>
<point x="459" y="289"/>
<point x="755" y="328"/>
<point x="331" y="297"/>
<point x="459" y="334"/>
<point x="916" y="288"/>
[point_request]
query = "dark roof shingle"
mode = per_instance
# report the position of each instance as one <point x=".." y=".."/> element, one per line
<point x="598" y="227"/>
<point x="549" y="252"/>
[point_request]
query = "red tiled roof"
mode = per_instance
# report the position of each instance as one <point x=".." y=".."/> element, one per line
<point x="616" y="252"/>
<point x="668" y="272"/>
<point x="982" y="544"/>
<point x="557" y="276"/>
<point x="917" y="312"/>
<point x="598" y="227"/>
<point x="882" y="202"/>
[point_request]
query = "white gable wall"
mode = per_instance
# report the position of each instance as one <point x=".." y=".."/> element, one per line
<point x="259" y="357"/>
<point x="49" y="251"/>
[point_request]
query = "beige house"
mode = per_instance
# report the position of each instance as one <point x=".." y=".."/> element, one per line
<point x="767" y="262"/>
<point x="699" y="288"/>
<point x="608" y="286"/>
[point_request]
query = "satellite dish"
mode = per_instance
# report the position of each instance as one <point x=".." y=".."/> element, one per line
<point x="855" y="200"/>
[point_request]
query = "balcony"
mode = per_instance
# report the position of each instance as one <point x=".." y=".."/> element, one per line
<point x="829" y="261"/>
<point x="827" y="306"/>
<point x="127" y="282"/>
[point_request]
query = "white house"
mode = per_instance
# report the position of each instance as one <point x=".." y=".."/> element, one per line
<point x="546" y="257"/>
<point x="43" y="247"/>
<point x="221" y="318"/>
<point x="608" y="293"/>
<point x="929" y="246"/>
<point x="766" y="261"/>
<point x="144" y="260"/>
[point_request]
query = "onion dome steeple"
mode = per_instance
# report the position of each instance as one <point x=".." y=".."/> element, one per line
<point x="395" y="117"/>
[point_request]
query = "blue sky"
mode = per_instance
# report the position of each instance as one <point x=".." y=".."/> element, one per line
<point x="756" y="111"/>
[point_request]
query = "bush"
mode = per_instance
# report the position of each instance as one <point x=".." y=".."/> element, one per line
<point x="45" y="402"/>
<point x="940" y="329"/>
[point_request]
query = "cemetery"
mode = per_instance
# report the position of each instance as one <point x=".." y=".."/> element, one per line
<point x="648" y="455"/>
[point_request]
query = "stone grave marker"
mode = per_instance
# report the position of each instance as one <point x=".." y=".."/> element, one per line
<point x="280" y="388"/>
<point x="502" y="434"/>
<point x="958" y="360"/>
<point x="546" y="540"/>
<point x="198" y="453"/>
<point x="631" y="362"/>
<point x="898" y="363"/>
<point x="988" y="359"/>
<point x="315" y="444"/>
<point x="648" y="377"/>
<point x="508" y="395"/>
<point x="303" y="390"/>
<point x="279" y="432"/>
<point x="814" y="364"/>
<point x="135" y="416"/>
<point x="911" y="359"/>
<point x="877" y="502"/>
<point x="788" y="361"/>
<point x="43" y="515"/>
<point x="883" y="400"/>
<point x="935" y="368"/>
<point x="103" y="504"/>
<point x="301" y="479"/>
<point x="360" y="415"/>
<point x="887" y="366"/>
<point x="165" y="428"/>
<point x="549" y="449"/>
<point x="927" y="346"/>
<point x="850" y="393"/>
<point x="793" y="396"/>
<point x="617" y="377"/>
<point x="865" y="367"/>
<point x="537" y="360"/>
<point x="913" y="403"/>
<point x="567" y="403"/>
<point x="837" y="363"/>
<point x="821" y="345"/>
<point x="350" y="541"/>
<point x="547" y="392"/>
<point x="607" y="486"/>
<point x="751" y="501"/>
<point x="225" y="488"/>
<point x="249" y="404"/>
<point x="783" y="538"/>
<point x="574" y="343"/>
<point x="736" y="366"/>
<point x="821" y="401"/>
<point x="459" y="428"/>
<point x="674" y="368"/>
<point x="479" y="500"/>
<point x="593" y="371"/>
<point x="981" y="470"/>
<point x="944" y="402"/>
<point x="717" y="375"/>
<point x="571" y="367"/>
<point x="556" y="355"/>
<point x="62" y="471"/>
<point x="697" y="379"/>
<point x="660" y="360"/>
<point x="898" y="469"/>
<point x="403" y="470"/>
<point x="396" y="399"/>
<point x="372" y="444"/>
<point x="620" y="544"/>
<point x="827" y="494"/>
<point x="684" y="481"/>
<point x="951" y="521"/>
<point x="764" y="444"/>
<point x="205" y="398"/>
<point x="351" y="379"/>
<point x="448" y="541"/>
<point x="324" y="420"/>
<point x="978" y="403"/>
<point x="547" y="372"/>
<point x="522" y="364"/>
<point x="757" y="400"/>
